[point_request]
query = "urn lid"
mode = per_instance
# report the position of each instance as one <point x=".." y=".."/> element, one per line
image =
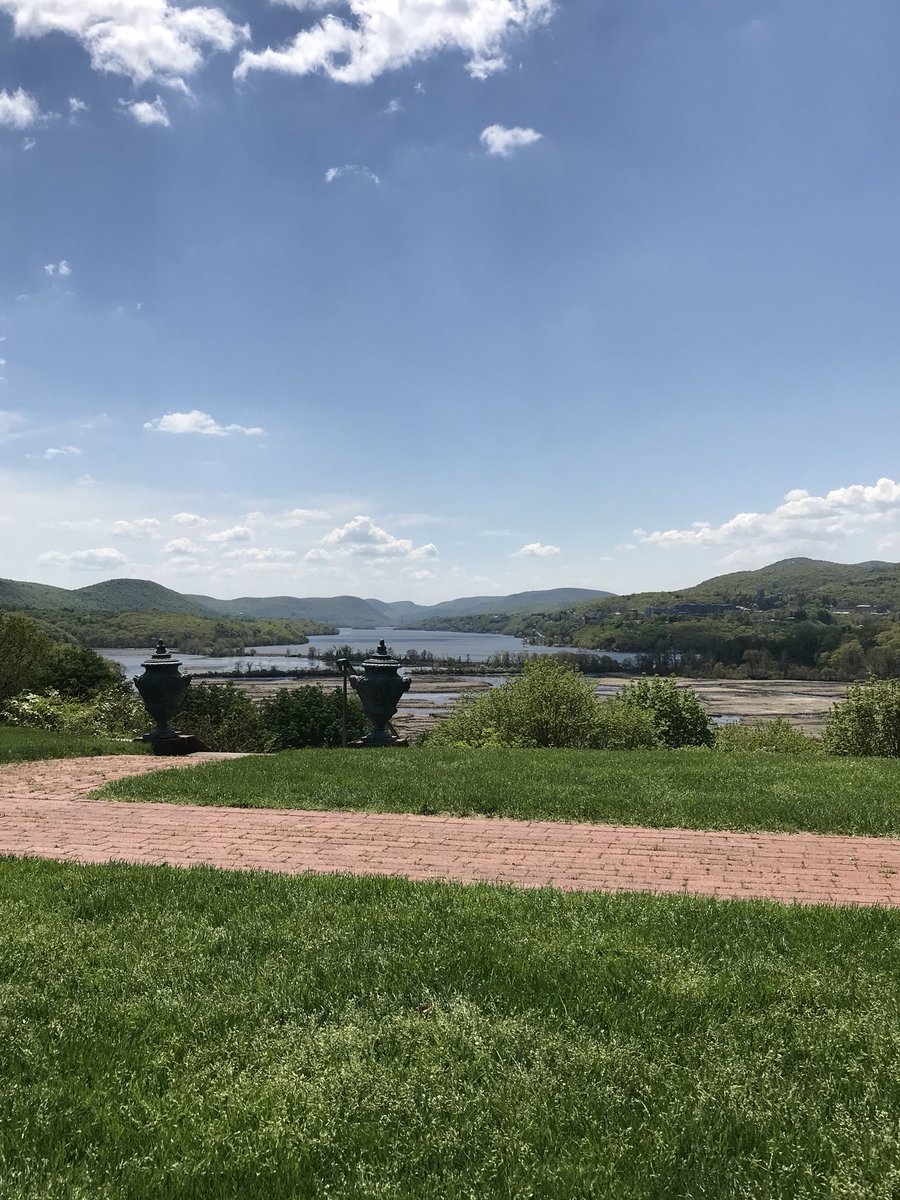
<point x="381" y="658"/>
<point x="161" y="658"/>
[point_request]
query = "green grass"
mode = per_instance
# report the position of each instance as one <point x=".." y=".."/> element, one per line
<point x="184" y="1035"/>
<point x="686" y="789"/>
<point x="25" y="745"/>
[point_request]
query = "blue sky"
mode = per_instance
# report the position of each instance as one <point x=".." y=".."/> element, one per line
<point x="426" y="298"/>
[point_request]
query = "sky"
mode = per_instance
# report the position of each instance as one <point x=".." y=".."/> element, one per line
<point x="418" y="299"/>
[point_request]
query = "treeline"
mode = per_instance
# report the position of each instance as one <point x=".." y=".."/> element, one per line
<point x="778" y="645"/>
<point x="189" y="634"/>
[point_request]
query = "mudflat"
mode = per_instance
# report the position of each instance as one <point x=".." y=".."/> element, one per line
<point x="804" y="704"/>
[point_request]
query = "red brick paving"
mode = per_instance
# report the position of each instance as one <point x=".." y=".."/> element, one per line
<point x="43" y="813"/>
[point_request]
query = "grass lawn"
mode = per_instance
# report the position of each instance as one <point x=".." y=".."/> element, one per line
<point x="25" y="745"/>
<point x="169" y="1034"/>
<point x="677" y="788"/>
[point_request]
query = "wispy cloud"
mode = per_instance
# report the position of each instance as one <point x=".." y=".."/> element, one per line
<point x="60" y="268"/>
<point x="384" y="35"/>
<point x="535" y="550"/>
<point x="60" y="451"/>
<point x="301" y="516"/>
<point x="196" y="421"/>
<point x="499" y="140"/>
<point x="334" y="173"/>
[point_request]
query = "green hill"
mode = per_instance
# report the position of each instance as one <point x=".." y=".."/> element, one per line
<point x="790" y="583"/>
<point x="112" y="595"/>
<point x="332" y="610"/>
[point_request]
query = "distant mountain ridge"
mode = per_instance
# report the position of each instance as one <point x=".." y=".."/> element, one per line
<point x="143" y="595"/>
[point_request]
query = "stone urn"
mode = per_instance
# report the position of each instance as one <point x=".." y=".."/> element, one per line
<point x="379" y="691"/>
<point x="162" y="688"/>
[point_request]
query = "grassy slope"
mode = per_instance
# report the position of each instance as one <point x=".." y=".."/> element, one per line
<point x="27" y="745"/>
<point x="200" y="1034"/>
<point x="686" y="789"/>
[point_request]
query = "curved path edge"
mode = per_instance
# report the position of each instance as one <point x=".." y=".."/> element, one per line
<point x="43" y="814"/>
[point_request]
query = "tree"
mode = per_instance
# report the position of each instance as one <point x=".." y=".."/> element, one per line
<point x="25" y="655"/>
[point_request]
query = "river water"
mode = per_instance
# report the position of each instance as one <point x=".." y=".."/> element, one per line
<point x="471" y="647"/>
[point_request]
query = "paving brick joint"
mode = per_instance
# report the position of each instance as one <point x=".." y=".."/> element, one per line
<point x="46" y="811"/>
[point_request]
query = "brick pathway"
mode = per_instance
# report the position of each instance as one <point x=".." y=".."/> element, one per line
<point x="43" y="813"/>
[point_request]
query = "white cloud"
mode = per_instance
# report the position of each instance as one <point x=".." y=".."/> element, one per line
<point x="60" y="451"/>
<point x="498" y="140"/>
<point x="143" y="40"/>
<point x="102" y="558"/>
<point x="184" y="553"/>
<point x="363" y="537"/>
<point x="535" y="550"/>
<point x="237" y="533"/>
<point x="384" y="35"/>
<point x="392" y="107"/>
<point x="803" y="522"/>
<point x="198" y="422"/>
<point x="350" y="169"/>
<point x="76" y="106"/>
<point x="148" y="112"/>
<point x="259" y="554"/>
<point x="301" y="516"/>
<point x="143" y="527"/>
<point x="28" y="143"/>
<point x="186" y="518"/>
<point x="60" y="268"/>
<point x="18" y="109"/>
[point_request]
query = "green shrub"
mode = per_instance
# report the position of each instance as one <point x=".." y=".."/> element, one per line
<point x="678" y="716"/>
<point x="80" y="673"/>
<point x="308" y="716"/>
<point x="776" y="736"/>
<point x="223" y="718"/>
<point x="623" y="727"/>
<point x="867" y="722"/>
<point x="549" y="705"/>
<point x="114" y="712"/>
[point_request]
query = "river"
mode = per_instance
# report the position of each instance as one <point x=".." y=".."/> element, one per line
<point x="471" y="647"/>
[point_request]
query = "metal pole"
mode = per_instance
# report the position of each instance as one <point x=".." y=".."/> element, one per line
<point x="344" y="665"/>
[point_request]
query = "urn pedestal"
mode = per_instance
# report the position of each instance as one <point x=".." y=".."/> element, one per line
<point x="379" y="691"/>
<point x="162" y="688"/>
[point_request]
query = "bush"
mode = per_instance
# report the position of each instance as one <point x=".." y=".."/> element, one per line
<point x="223" y="718"/>
<point x="549" y="705"/>
<point x="867" y="722"/>
<point x="776" y="736"/>
<point x="114" y="712"/>
<point x="308" y="716"/>
<point x="678" y="716"/>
